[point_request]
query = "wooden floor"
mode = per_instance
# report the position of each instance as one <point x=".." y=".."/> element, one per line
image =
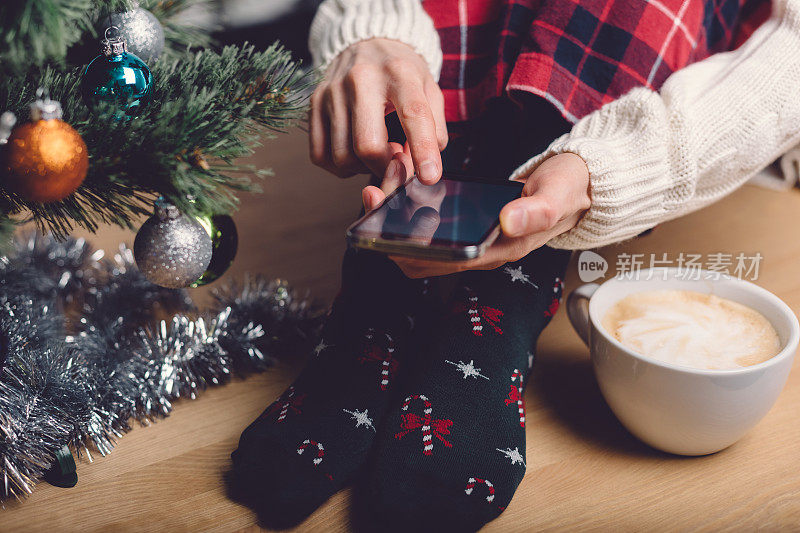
<point x="585" y="472"/>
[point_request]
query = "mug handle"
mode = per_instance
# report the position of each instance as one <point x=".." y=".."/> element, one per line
<point x="577" y="312"/>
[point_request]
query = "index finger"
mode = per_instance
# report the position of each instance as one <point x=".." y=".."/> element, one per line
<point x="418" y="123"/>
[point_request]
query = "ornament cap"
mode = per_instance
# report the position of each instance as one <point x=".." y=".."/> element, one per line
<point x="112" y="46"/>
<point x="165" y="210"/>
<point x="43" y="108"/>
<point x="7" y="122"/>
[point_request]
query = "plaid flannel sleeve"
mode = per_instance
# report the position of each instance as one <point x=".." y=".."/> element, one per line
<point x="655" y="156"/>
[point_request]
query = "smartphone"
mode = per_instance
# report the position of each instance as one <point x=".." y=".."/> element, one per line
<point x="454" y="219"/>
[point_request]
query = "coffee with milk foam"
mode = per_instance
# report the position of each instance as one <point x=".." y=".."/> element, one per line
<point x="692" y="329"/>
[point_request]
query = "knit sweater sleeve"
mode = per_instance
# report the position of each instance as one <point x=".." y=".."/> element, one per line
<point x="654" y="156"/>
<point x="340" y="23"/>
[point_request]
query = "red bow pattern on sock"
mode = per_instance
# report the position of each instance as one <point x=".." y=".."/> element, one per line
<point x="429" y="426"/>
<point x="289" y="402"/>
<point x="479" y="314"/>
<point x="383" y="357"/>
<point x="515" y="395"/>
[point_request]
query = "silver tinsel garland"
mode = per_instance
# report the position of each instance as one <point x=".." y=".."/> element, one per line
<point x="83" y="354"/>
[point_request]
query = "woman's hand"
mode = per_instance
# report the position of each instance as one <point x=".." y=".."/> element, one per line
<point x="362" y="85"/>
<point x="553" y="200"/>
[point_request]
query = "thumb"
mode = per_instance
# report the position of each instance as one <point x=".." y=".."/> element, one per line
<point x="372" y="197"/>
<point x="528" y="215"/>
<point x="400" y="168"/>
<point x="550" y="193"/>
<point x="394" y="176"/>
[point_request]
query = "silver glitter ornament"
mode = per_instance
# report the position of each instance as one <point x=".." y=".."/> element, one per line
<point x="171" y="249"/>
<point x="140" y="30"/>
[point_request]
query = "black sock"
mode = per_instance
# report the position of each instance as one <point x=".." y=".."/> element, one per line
<point x="451" y="455"/>
<point x="312" y="440"/>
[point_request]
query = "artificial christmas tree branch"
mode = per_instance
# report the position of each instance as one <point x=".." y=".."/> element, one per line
<point x="37" y="33"/>
<point x="80" y="357"/>
<point x="179" y="36"/>
<point x="207" y="109"/>
<point x="34" y="33"/>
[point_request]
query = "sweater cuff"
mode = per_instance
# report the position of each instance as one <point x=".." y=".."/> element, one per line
<point x="629" y="190"/>
<point x="341" y="23"/>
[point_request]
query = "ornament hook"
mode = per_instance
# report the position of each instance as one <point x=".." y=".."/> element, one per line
<point x="43" y="93"/>
<point x="108" y="30"/>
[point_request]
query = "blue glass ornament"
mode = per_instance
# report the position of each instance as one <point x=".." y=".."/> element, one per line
<point x="116" y="79"/>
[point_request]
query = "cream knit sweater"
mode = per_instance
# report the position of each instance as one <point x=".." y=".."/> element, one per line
<point x="652" y="156"/>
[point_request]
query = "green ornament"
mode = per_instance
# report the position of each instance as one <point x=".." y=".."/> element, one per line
<point x="118" y="79"/>
<point x="224" y="242"/>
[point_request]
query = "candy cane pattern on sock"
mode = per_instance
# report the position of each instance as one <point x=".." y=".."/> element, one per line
<point x="479" y="314"/>
<point x="288" y="402"/>
<point x="478" y="481"/>
<point x="474" y="315"/>
<point x="426" y="423"/>
<point x="286" y="405"/>
<point x="386" y="365"/>
<point x="384" y="357"/>
<point x="555" y="301"/>
<point x="320" y="450"/>
<point x="515" y="395"/>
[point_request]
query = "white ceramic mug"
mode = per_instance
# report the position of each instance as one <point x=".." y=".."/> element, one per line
<point x="681" y="410"/>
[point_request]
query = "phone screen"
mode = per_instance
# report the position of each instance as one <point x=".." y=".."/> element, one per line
<point x="454" y="211"/>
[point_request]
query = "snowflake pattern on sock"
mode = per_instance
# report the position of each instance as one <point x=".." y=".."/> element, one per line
<point x="321" y="347"/>
<point x="514" y="455"/>
<point x="518" y="275"/>
<point x="468" y="369"/>
<point x="361" y="418"/>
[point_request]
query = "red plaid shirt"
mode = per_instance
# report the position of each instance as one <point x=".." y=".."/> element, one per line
<point x="577" y="54"/>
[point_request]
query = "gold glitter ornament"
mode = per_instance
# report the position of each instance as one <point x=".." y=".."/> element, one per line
<point x="44" y="160"/>
<point x="224" y="242"/>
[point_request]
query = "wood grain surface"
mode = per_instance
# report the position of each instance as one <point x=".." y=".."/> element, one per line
<point x="585" y="472"/>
